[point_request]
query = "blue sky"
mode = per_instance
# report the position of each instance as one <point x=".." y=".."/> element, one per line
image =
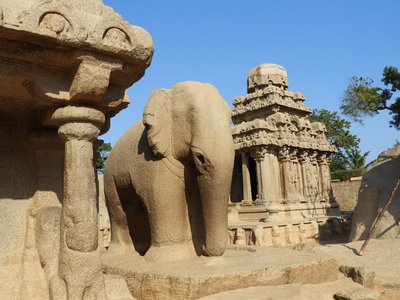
<point x="320" y="43"/>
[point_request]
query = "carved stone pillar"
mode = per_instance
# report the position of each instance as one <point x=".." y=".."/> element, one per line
<point x="300" y="181"/>
<point x="272" y="184"/>
<point x="247" y="197"/>
<point x="259" y="158"/>
<point x="294" y="179"/>
<point x="328" y="179"/>
<point x="314" y="178"/>
<point x="284" y="158"/>
<point x="304" y="162"/>
<point x="79" y="128"/>
<point x="325" y="175"/>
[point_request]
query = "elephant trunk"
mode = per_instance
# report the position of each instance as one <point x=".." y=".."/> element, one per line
<point x="214" y="187"/>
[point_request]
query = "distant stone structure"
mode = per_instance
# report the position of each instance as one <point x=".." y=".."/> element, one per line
<point x="64" y="69"/>
<point x="281" y="178"/>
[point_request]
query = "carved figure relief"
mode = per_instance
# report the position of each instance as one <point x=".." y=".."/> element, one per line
<point x="302" y="233"/>
<point x="294" y="180"/>
<point x="55" y="22"/>
<point x="240" y="237"/>
<point x="325" y="175"/>
<point x="276" y="235"/>
<point x="290" y="234"/>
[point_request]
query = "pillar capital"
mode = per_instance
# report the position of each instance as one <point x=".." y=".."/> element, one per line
<point x="303" y="156"/>
<point x="284" y="154"/>
<point x="293" y="154"/>
<point x="259" y="155"/>
<point x="81" y="123"/>
<point x="322" y="158"/>
<point x="313" y="156"/>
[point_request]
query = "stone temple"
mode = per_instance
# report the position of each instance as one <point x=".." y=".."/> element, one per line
<point x="281" y="191"/>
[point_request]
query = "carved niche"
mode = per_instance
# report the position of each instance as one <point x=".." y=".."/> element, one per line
<point x="55" y="22"/>
<point x="116" y="37"/>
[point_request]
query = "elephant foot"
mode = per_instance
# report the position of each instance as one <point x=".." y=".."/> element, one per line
<point x="174" y="252"/>
<point x="120" y="249"/>
<point x="58" y="289"/>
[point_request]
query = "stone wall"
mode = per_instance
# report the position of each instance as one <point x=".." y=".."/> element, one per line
<point x="346" y="193"/>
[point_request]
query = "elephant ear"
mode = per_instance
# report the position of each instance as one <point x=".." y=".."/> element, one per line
<point x="157" y="120"/>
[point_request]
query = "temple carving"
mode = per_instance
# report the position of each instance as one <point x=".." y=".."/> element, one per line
<point x="281" y="192"/>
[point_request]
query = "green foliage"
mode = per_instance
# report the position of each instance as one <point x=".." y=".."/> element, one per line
<point x="347" y="174"/>
<point x="103" y="152"/>
<point x="356" y="159"/>
<point x="338" y="134"/>
<point x="362" y="99"/>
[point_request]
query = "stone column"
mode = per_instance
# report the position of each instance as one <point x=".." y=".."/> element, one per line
<point x="294" y="180"/>
<point x="247" y="197"/>
<point x="284" y="158"/>
<point x="259" y="158"/>
<point x="314" y="179"/>
<point x="325" y="175"/>
<point x="79" y="271"/>
<point x="328" y="179"/>
<point x="304" y="161"/>
<point x="272" y="183"/>
<point x="300" y="182"/>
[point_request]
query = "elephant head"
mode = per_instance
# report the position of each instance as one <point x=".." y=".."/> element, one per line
<point x="191" y="123"/>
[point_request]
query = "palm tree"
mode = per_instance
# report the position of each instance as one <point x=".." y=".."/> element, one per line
<point x="356" y="159"/>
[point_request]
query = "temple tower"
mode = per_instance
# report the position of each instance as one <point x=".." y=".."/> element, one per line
<point x="282" y="163"/>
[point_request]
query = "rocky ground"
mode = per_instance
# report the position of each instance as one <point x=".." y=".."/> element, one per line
<point x="302" y="272"/>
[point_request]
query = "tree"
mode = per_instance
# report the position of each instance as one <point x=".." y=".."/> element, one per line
<point x="356" y="159"/>
<point x="348" y="154"/>
<point x="103" y="152"/>
<point x="361" y="98"/>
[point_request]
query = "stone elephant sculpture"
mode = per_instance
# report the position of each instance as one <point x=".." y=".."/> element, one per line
<point x="167" y="180"/>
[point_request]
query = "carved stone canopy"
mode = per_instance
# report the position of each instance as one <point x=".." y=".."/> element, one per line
<point x="76" y="52"/>
<point x="65" y="66"/>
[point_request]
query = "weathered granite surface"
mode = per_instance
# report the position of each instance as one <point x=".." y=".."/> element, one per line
<point x="64" y="70"/>
<point x="376" y="187"/>
<point x="312" y="272"/>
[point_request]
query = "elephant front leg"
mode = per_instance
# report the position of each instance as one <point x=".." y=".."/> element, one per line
<point x="121" y="242"/>
<point x="171" y="238"/>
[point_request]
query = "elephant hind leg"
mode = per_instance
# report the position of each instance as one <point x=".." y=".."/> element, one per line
<point x="121" y="242"/>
